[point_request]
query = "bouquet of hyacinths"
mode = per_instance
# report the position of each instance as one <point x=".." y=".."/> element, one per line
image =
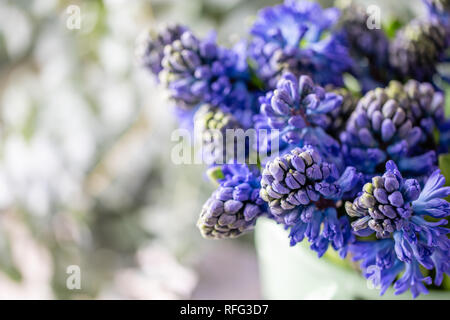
<point x="354" y="168"/>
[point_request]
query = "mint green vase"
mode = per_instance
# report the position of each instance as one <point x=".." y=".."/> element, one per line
<point x="297" y="273"/>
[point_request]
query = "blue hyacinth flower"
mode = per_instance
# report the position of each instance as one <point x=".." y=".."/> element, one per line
<point x="399" y="212"/>
<point x="298" y="36"/>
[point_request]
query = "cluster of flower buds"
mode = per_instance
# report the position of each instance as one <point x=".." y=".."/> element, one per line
<point x="399" y="212"/>
<point x="384" y="204"/>
<point x="370" y="43"/>
<point x="298" y="178"/>
<point x="298" y="37"/>
<point x="150" y="48"/>
<point x="299" y="112"/>
<point x="417" y="48"/>
<point x="211" y="125"/>
<point x="391" y="123"/>
<point x="196" y="71"/>
<point x="296" y="104"/>
<point x="426" y="105"/>
<point x="234" y="207"/>
<point x="302" y="192"/>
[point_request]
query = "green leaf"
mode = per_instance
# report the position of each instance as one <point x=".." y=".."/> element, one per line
<point x="391" y="28"/>
<point x="446" y="87"/>
<point x="254" y="79"/>
<point x="444" y="165"/>
<point x="436" y="135"/>
<point x="352" y="84"/>
<point x="214" y="174"/>
<point x="333" y="257"/>
<point x="446" y="282"/>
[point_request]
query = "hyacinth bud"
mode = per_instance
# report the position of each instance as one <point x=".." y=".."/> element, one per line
<point x="423" y="105"/>
<point x="397" y="123"/>
<point x="211" y="125"/>
<point x="284" y="41"/>
<point x="299" y="62"/>
<point x="298" y="178"/>
<point x="196" y="71"/>
<point x="384" y="203"/>
<point x="417" y="48"/>
<point x="426" y="105"/>
<point x="364" y="42"/>
<point x="234" y="207"/>
<point x="296" y="104"/>
<point x="150" y="47"/>
<point x="379" y="119"/>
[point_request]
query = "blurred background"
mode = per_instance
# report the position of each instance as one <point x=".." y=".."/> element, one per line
<point x="85" y="172"/>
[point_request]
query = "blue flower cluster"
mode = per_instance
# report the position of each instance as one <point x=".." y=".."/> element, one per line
<point x="298" y="36"/>
<point x="234" y="207"/>
<point x="301" y="112"/>
<point x="399" y="212"/>
<point x="197" y="71"/>
<point x="336" y="178"/>
<point x="396" y="122"/>
<point x="302" y="190"/>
